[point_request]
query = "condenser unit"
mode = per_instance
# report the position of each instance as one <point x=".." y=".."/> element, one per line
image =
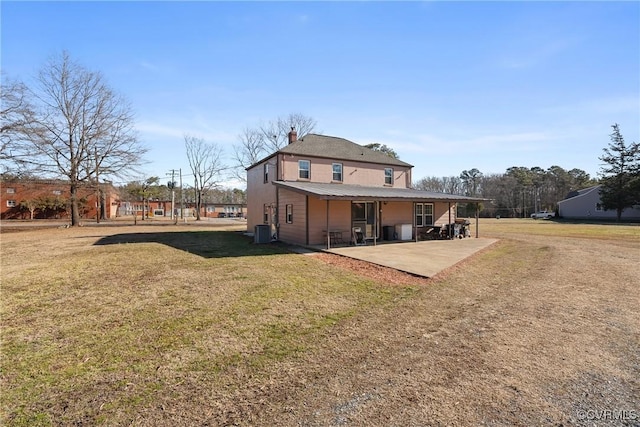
<point x="262" y="234"/>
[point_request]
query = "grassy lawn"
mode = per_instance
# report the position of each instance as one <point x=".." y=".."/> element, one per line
<point x="92" y="332"/>
<point x="556" y="228"/>
<point x="185" y="325"/>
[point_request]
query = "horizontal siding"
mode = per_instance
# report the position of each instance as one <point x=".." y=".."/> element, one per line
<point x="585" y="207"/>
<point x="339" y="220"/>
<point x="441" y="213"/>
<point x="394" y="213"/>
<point x="317" y="220"/>
<point x="294" y="233"/>
<point x="357" y="173"/>
<point x="259" y="193"/>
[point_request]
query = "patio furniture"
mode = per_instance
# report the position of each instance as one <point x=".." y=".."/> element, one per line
<point x="335" y="237"/>
<point x="431" y="232"/>
<point x="358" y="237"/>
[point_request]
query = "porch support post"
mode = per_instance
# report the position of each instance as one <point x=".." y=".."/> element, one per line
<point x="415" y="224"/>
<point x="477" y="218"/>
<point x="375" y="222"/>
<point x="328" y="233"/>
<point x="450" y="227"/>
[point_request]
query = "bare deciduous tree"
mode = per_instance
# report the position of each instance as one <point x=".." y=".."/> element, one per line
<point x="275" y="133"/>
<point x="80" y="128"/>
<point x="256" y="143"/>
<point x="205" y="161"/>
<point x="249" y="151"/>
<point x="15" y="111"/>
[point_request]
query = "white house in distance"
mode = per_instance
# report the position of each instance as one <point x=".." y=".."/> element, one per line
<point x="320" y="186"/>
<point x="586" y="204"/>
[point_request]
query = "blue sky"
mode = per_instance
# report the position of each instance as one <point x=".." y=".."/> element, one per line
<point x="449" y="85"/>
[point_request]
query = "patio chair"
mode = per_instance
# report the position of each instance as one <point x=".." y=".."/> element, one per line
<point x="358" y="237"/>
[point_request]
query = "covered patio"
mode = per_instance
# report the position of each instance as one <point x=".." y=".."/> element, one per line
<point x="426" y="258"/>
<point x="341" y="215"/>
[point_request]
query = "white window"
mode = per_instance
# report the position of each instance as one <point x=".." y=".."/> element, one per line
<point x="388" y="176"/>
<point x="57" y="192"/>
<point x="424" y="214"/>
<point x="304" y="169"/>
<point x="289" y="214"/>
<point x="11" y="190"/>
<point x="598" y="207"/>
<point x="11" y="203"/>
<point x="265" y="218"/>
<point x="337" y="171"/>
<point x="266" y="173"/>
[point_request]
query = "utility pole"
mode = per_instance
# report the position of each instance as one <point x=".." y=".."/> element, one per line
<point x="172" y="186"/>
<point x="98" y="198"/>
<point x="181" y="197"/>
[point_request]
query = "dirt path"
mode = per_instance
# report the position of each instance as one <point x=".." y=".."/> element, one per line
<point x="541" y="331"/>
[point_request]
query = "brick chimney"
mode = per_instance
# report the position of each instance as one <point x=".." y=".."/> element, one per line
<point x="292" y="135"/>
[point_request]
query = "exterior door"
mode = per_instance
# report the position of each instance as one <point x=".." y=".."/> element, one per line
<point x="363" y="215"/>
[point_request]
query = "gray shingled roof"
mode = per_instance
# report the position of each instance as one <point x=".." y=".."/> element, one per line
<point x="339" y="149"/>
<point x="327" y="191"/>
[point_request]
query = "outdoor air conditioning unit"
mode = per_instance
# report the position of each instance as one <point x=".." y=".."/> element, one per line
<point x="262" y="234"/>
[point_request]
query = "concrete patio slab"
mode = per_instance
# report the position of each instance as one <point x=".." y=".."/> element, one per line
<point x="425" y="258"/>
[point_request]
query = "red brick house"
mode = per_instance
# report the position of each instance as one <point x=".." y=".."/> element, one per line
<point x="162" y="208"/>
<point x="322" y="186"/>
<point x="49" y="199"/>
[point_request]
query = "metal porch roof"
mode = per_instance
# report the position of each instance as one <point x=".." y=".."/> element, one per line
<point x="326" y="191"/>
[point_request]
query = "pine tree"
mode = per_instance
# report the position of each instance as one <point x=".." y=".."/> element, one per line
<point x="620" y="174"/>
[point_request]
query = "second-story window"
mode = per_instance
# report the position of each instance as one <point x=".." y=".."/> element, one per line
<point x="337" y="172"/>
<point x="304" y="169"/>
<point x="266" y="173"/>
<point x="57" y="192"/>
<point x="11" y="190"/>
<point x="388" y="176"/>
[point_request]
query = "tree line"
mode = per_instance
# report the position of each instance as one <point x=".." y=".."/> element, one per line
<point x="520" y="191"/>
<point x="517" y="192"/>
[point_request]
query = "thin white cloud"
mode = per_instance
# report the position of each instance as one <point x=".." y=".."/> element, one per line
<point x="602" y="106"/>
<point x="530" y="57"/>
<point x="148" y="66"/>
<point x="434" y="144"/>
<point x="159" y="130"/>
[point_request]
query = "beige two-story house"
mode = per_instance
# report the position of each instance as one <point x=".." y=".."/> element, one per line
<point x="319" y="187"/>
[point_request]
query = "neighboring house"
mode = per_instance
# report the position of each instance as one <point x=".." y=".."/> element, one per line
<point x="225" y="210"/>
<point x="321" y="185"/>
<point x="49" y="199"/>
<point x="586" y="204"/>
<point x="162" y="208"/>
